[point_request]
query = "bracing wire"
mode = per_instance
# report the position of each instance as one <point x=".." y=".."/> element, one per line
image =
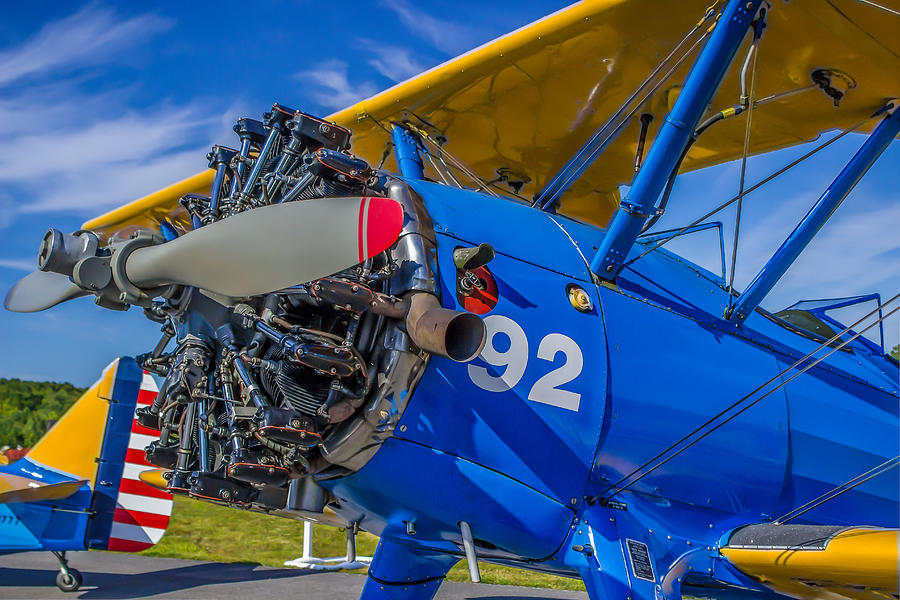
<point x="752" y="188"/>
<point x="445" y="155"/>
<point x="753" y="54"/>
<point x="617" y="487"/>
<point x="884" y="8"/>
<point x="835" y="492"/>
<point x="588" y="151"/>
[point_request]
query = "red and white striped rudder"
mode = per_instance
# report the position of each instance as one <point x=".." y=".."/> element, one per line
<point x="142" y="511"/>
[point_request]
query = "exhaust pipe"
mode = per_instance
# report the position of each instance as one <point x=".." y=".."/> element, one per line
<point x="456" y="335"/>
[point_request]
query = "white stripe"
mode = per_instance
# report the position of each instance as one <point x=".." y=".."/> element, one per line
<point x="148" y="383"/>
<point x="365" y="229"/>
<point x="139" y="441"/>
<point x="136" y="533"/>
<point x="133" y="471"/>
<point x="157" y="506"/>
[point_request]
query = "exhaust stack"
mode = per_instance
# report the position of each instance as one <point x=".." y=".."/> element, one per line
<point x="453" y="334"/>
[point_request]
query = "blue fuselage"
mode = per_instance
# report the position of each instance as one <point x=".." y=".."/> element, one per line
<point x="564" y="403"/>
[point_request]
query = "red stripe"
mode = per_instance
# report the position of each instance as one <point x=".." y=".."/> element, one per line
<point x="146" y="396"/>
<point x="143" y="519"/>
<point x="119" y="545"/>
<point x="359" y="233"/>
<point x="136" y="428"/>
<point x="139" y="488"/>
<point x="136" y="457"/>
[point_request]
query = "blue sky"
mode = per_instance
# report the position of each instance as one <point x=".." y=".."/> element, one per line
<point x="101" y="104"/>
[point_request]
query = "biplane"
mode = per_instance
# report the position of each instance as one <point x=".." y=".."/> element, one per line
<point x="436" y="316"/>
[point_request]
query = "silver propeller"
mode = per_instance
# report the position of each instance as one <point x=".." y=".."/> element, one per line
<point x="41" y="290"/>
<point x="271" y="247"/>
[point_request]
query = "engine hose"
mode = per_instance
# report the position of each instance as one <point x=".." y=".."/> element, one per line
<point x="283" y="450"/>
<point x="160" y="397"/>
<point x="670" y="182"/>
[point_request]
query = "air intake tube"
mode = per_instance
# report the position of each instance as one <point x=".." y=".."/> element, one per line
<point x="456" y="335"/>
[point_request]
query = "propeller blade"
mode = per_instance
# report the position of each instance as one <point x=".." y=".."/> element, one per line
<point x="39" y="291"/>
<point x="271" y="247"/>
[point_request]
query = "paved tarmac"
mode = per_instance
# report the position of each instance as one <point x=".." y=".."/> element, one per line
<point x="112" y="575"/>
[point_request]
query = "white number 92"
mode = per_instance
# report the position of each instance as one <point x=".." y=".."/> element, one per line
<point x="546" y="389"/>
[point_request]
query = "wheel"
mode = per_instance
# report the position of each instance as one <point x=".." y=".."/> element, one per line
<point x="70" y="582"/>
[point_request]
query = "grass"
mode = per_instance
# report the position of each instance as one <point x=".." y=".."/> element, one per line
<point x="204" y="531"/>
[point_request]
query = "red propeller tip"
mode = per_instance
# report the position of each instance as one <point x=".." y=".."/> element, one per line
<point x="380" y="223"/>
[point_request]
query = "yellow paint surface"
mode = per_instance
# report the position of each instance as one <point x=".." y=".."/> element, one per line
<point x="14" y="488"/>
<point x="528" y="100"/>
<point x="74" y="442"/>
<point x="858" y="563"/>
<point x="155" y="478"/>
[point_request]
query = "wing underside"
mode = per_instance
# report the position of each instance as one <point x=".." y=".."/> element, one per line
<point x="526" y="101"/>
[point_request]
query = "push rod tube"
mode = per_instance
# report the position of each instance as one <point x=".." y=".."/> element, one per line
<point x="824" y="207"/>
<point x="701" y="84"/>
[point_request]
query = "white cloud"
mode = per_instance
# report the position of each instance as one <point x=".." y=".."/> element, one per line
<point x="393" y="62"/>
<point x="446" y="36"/>
<point x="852" y="252"/>
<point x="90" y="36"/>
<point x="115" y="182"/>
<point x="330" y="87"/>
<point x="78" y="152"/>
<point x="18" y="264"/>
<point x="123" y="139"/>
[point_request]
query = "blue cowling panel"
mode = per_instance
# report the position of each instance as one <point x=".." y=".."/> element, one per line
<point x="515" y="431"/>
<point x="512" y="228"/>
<point x="406" y="482"/>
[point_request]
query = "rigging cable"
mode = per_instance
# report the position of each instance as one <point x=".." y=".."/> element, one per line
<point x="454" y="161"/>
<point x="884" y="8"/>
<point x="617" y="487"/>
<point x="728" y="203"/>
<point x="721" y="115"/>
<point x="746" y="100"/>
<point x="844" y="487"/>
<point x="589" y="150"/>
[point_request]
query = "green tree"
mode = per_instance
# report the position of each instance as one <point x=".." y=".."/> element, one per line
<point x="27" y="406"/>
<point x="896" y="352"/>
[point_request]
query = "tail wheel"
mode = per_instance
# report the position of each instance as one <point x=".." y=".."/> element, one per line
<point x="68" y="581"/>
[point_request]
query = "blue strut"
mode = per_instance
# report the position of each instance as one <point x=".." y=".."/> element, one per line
<point x="406" y="153"/>
<point x="701" y="84"/>
<point x="806" y="230"/>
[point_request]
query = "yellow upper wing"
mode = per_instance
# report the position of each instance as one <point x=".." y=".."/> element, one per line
<point x="529" y="99"/>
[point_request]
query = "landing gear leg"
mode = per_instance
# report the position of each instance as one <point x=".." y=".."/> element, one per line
<point x="405" y="572"/>
<point x="68" y="580"/>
